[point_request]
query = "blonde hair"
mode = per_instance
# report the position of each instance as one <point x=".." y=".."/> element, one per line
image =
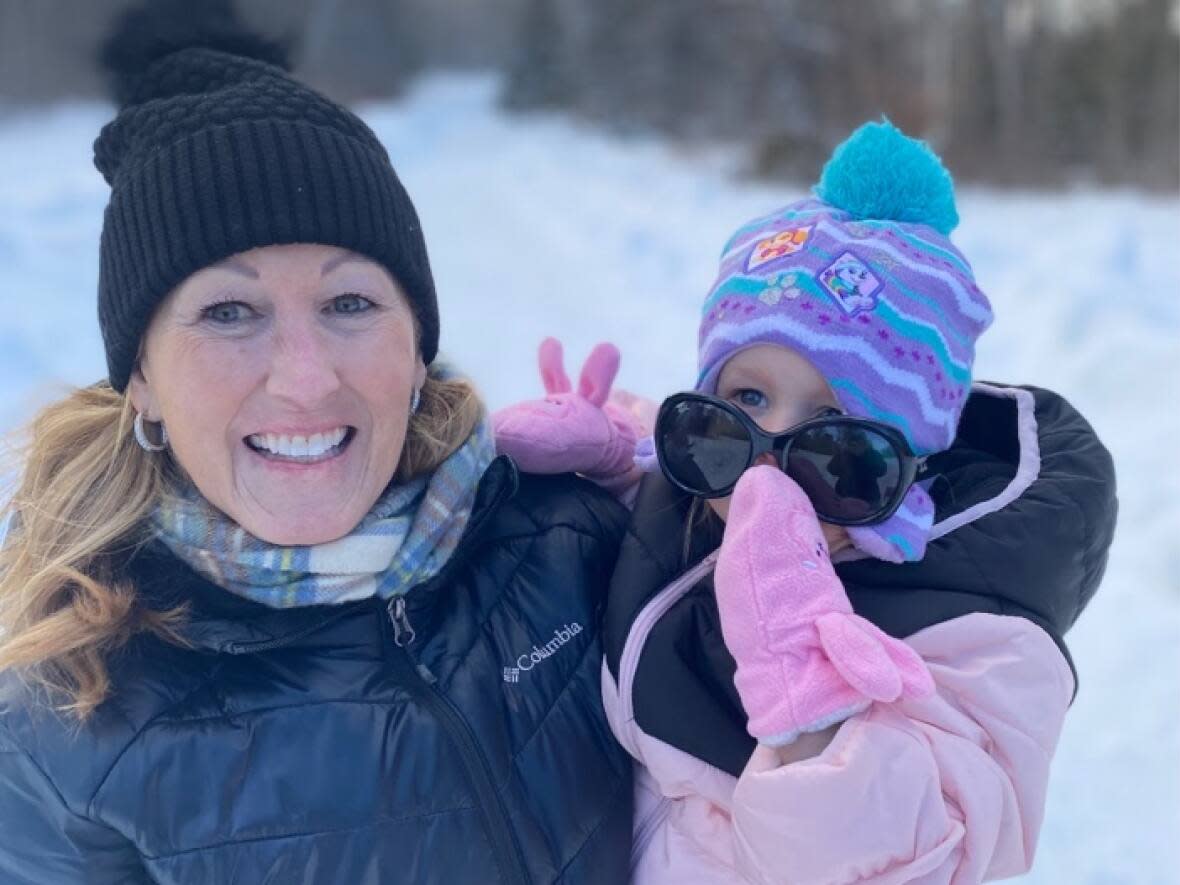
<point x="448" y="411"/>
<point x="699" y="516"/>
<point x="80" y="510"/>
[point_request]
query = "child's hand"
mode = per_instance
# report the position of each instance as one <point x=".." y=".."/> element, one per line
<point x="573" y="431"/>
<point x="804" y="660"/>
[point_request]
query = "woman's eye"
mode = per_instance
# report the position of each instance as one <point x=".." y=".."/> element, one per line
<point x="750" y="398"/>
<point x="351" y="304"/>
<point x="226" y="313"/>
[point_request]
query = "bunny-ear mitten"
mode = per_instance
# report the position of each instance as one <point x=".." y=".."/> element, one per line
<point x="804" y="659"/>
<point x="571" y="430"/>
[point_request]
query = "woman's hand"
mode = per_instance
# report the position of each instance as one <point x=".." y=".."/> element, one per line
<point x="804" y="660"/>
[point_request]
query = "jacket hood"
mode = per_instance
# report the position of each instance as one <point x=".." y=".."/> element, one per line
<point x="1025" y="511"/>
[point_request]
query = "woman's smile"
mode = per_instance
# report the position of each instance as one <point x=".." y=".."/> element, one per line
<point x="301" y="449"/>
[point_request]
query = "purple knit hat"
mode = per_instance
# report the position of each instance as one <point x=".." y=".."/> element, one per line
<point x="864" y="283"/>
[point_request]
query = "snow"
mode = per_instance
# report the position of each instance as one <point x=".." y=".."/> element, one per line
<point x="538" y="225"/>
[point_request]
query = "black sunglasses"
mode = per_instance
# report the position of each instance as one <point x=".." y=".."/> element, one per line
<point x="855" y="471"/>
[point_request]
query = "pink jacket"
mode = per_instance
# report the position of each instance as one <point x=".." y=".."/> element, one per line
<point x="948" y="789"/>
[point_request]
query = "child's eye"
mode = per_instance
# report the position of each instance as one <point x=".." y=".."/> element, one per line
<point x="351" y="304"/>
<point x="749" y="398"/>
<point x="227" y="313"/>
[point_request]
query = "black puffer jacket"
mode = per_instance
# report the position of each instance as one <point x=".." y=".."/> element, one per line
<point x="1024" y="516"/>
<point x="305" y="746"/>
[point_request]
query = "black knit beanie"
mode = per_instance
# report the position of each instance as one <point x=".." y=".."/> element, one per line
<point x="215" y="150"/>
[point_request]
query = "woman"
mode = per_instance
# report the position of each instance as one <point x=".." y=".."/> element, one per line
<point x="271" y="611"/>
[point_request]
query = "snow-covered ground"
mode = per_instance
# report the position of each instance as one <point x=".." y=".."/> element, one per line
<point x="540" y="226"/>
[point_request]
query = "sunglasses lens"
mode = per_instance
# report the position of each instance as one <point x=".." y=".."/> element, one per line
<point x="849" y="472"/>
<point x="703" y="447"/>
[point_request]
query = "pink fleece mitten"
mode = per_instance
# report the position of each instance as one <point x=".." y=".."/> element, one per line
<point x="574" y="431"/>
<point x="804" y="660"/>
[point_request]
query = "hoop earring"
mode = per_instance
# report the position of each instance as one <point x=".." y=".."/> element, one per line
<point x="415" y="401"/>
<point x="141" y="437"/>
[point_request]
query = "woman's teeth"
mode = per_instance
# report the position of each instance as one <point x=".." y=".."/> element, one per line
<point x="301" y="447"/>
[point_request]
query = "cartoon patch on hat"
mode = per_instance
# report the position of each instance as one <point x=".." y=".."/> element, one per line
<point x="781" y="245"/>
<point x="851" y="284"/>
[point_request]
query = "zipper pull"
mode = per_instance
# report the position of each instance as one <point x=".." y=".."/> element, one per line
<point x="403" y="631"/>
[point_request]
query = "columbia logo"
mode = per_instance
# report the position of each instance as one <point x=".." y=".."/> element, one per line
<point x="538" y="653"/>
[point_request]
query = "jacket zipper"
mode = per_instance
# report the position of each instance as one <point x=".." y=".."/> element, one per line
<point x="640" y="629"/>
<point x="642" y="626"/>
<point x="421" y="683"/>
<point x="241" y="648"/>
<point x="647" y="831"/>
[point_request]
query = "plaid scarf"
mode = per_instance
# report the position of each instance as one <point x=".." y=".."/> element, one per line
<point x="405" y="539"/>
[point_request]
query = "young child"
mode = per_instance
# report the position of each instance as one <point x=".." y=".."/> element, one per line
<point x="890" y="717"/>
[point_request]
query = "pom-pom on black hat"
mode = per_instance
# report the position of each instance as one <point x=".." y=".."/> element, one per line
<point x="217" y="149"/>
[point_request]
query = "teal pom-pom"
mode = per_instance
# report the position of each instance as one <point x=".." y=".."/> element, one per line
<point x="879" y="172"/>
